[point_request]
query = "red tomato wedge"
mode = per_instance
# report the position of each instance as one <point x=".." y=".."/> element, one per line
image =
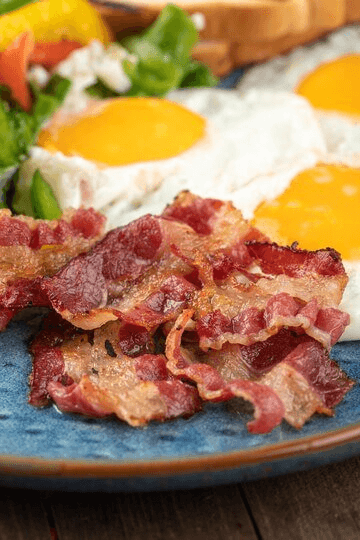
<point x="13" y="66"/>
<point x="14" y="62"/>
<point x="51" y="53"/>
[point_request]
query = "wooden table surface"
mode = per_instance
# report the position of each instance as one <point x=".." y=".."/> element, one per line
<point x="320" y="504"/>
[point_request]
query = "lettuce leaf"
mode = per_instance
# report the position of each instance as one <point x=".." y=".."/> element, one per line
<point x="163" y="58"/>
<point x="11" y="5"/>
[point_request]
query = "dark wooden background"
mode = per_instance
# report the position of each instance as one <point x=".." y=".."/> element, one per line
<point x="321" y="504"/>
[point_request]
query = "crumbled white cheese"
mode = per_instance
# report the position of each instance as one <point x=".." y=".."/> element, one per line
<point x="39" y="75"/>
<point x="199" y="21"/>
<point x="85" y="65"/>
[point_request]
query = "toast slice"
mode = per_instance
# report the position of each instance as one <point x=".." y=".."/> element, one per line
<point x="239" y="32"/>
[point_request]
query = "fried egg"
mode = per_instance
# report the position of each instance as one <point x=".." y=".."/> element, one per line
<point x="278" y="155"/>
<point x="128" y="156"/>
<point x="327" y="74"/>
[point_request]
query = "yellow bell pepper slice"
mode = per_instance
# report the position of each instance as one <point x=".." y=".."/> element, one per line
<point x="54" y="20"/>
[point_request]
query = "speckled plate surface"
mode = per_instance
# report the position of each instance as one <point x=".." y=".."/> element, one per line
<point x="45" y="449"/>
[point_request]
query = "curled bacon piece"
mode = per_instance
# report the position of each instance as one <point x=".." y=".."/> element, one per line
<point x="295" y="262"/>
<point x="269" y="409"/>
<point x="31" y="249"/>
<point x="258" y="323"/>
<point x="86" y="372"/>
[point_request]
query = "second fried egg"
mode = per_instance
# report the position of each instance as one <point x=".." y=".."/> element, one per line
<point x="327" y="74"/>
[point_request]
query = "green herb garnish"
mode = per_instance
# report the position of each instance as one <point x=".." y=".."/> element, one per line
<point x="100" y="90"/>
<point x="43" y="201"/>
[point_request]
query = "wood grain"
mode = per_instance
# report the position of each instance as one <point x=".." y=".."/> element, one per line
<point x="322" y="504"/>
<point x="22" y="516"/>
<point x="204" y="514"/>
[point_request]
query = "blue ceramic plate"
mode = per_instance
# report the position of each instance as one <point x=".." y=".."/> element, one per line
<point x="42" y="448"/>
<point x="48" y="450"/>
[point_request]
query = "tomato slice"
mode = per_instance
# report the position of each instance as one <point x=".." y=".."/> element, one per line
<point x="14" y="62"/>
<point x="51" y="53"/>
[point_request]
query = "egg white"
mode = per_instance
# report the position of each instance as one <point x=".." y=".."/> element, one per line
<point x="284" y="72"/>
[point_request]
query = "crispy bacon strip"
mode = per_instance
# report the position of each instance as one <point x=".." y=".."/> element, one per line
<point x="141" y="257"/>
<point x="296" y="262"/>
<point x="31" y="249"/>
<point x="308" y="382"/>
<point x="244" y="323"/>
<point x="87" y="373"/>
<point x="269" y="409"/>
<point x="130" y="274"/>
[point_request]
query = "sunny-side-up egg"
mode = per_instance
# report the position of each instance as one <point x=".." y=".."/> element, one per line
<point x="327" y="73"/>
<point x="321" y="205"/>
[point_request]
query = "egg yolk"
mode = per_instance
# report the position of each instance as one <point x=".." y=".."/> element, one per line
<point x="319" y="209"/>
<point x="121" y="131"/>
<point x="334" y="86"/>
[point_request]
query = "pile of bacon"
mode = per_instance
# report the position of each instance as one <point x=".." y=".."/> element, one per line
<point x="168" y="312"/>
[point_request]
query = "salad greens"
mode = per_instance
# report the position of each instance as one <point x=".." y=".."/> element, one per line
<point x="19" y="129"/>
<point x="163" y="58"/>
<point x="11" y="5"/>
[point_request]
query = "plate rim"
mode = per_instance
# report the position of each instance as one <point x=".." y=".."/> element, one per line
<point x="11" y="465"/>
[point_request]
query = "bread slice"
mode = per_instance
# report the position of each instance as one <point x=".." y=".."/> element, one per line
<point x="239" y="32"/>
